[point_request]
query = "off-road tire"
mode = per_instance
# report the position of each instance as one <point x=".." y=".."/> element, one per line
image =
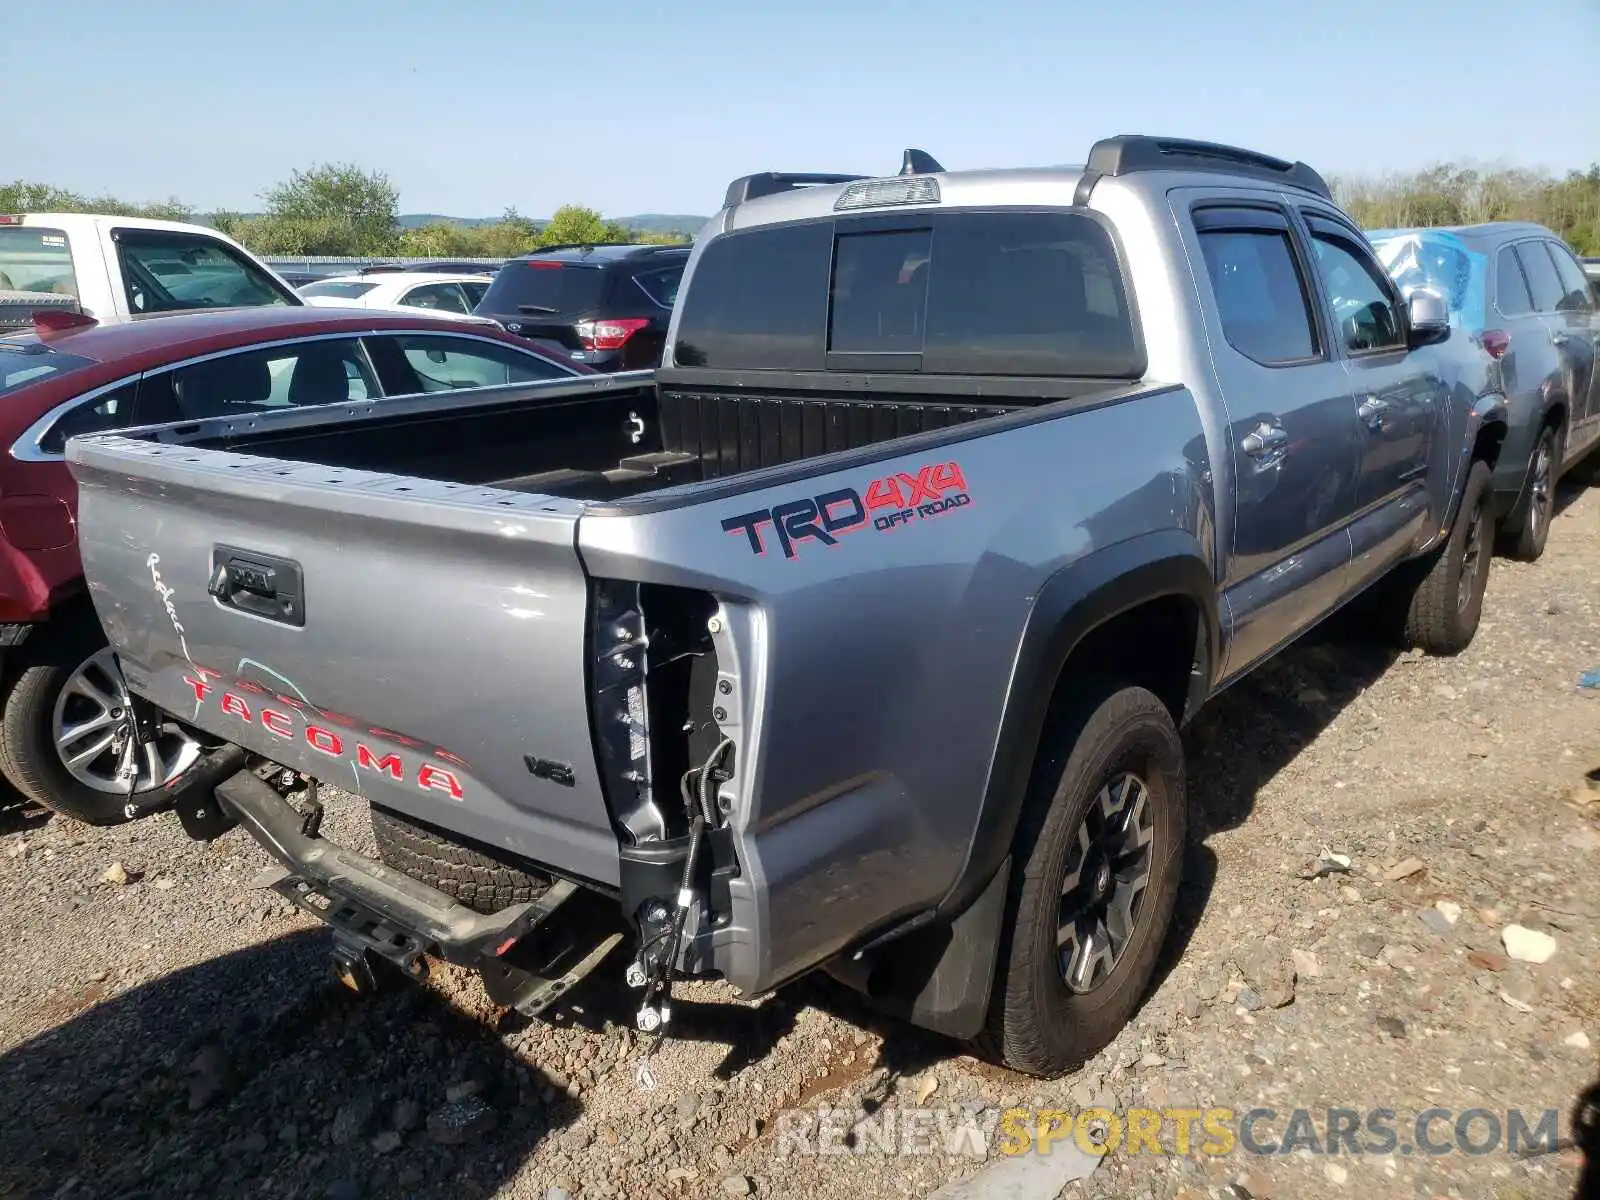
<point x="28" y="755"/>
<point x="478" y="876"/>
<point x="1439" y="618"/>
<point x="1036" y="1024"/>
<point x="1527" y="529"/>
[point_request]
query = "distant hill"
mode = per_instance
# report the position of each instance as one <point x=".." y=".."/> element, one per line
<point x="647" y="222"/>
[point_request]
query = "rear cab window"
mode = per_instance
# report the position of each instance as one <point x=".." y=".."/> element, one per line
<point x="961" y="293"/>
<point x="167" y="271"/>
<point x="36" y="259"/>
<point x="538" y="287"/>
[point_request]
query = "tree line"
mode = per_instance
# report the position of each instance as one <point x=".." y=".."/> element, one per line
<point x="341" y="209"/>
<point x="1453" y="194"/>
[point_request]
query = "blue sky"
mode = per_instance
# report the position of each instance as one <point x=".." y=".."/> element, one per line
<point x="471" y="105"/>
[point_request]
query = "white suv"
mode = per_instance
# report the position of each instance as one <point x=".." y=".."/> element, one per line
<point x="436" y="294"/>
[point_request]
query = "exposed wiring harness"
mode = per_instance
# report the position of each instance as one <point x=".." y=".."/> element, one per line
<point x="655" y="1010"/>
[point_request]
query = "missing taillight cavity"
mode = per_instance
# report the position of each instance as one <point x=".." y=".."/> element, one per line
<point x="654" y="682"/>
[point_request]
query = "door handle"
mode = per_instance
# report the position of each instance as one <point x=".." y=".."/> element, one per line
<point x="1371" y="412"/>
<point x="1265" y="439"/>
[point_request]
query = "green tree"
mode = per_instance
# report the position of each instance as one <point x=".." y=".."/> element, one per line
<point x="572" y="224"/>
<point x="24" y="196"/>
<point x="335" y="207"/>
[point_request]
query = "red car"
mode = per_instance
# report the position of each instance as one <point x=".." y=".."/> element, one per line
<point x="65" y="720"/>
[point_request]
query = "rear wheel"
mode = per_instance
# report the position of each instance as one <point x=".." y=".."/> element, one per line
<point x="1099" y="852"/>
<point x="480" y="877"/>
<point x="66" y="735"/>
<point x="1528" y="528"/>
<point x="1444" y="607"/>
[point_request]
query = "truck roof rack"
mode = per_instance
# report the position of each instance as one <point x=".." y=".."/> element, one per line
<point x="1128" y="154"/>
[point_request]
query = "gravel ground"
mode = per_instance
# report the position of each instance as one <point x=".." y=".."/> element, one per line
<point x="177" y="1033"/>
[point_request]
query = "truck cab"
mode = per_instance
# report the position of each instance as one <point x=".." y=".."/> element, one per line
<point x="121" y="268"/>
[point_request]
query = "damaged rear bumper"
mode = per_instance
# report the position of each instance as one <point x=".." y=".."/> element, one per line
<point x="380" y="914"/>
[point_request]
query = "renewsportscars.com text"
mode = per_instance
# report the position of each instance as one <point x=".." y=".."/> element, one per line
<point x="967" y="1131"/>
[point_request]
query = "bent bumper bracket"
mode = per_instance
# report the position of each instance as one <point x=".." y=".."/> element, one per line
<point x="376" y="910"/>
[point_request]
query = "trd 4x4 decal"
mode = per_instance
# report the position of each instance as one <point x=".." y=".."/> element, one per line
<point x="889" y="503"/>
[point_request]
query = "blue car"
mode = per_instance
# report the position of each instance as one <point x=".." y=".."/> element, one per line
<point x="1527" y="329"/>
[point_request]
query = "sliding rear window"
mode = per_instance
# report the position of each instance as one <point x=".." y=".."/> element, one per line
<point x="973" y="293"/>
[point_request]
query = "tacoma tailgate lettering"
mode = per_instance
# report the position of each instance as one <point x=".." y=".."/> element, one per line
<point x="430" y="776"/>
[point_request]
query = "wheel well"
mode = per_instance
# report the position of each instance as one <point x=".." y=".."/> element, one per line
<point x="1151" y="645"/>
<point x="1489" y="441"/>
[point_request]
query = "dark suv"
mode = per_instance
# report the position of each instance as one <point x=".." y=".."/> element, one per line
<point x="604" y="306"/>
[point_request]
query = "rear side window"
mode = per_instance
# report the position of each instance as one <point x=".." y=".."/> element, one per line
<point x="1511" y="289"/>
<point x="336" y="289"/>
<point x="113" y="410"/>
<point x="1574" y="285"/>
<point x="1261" y="296"/>
<point x="541" y="287"/>
<point x="320" y="371"/>
<point x="36" y="260"/>
<point x="661" y="286"/>
<point x="167" y="271"/>
<point x="22" y="363"/>
<point x="1543" y="281"/>
<point x="966" y="293"/>
<point x="441" y="297"/>
<point x="444" y="363"/>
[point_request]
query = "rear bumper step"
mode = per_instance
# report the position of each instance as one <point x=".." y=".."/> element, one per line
<point x="375" y="910"/>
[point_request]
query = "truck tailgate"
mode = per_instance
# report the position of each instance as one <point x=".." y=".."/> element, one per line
<point x="287" y="606"/>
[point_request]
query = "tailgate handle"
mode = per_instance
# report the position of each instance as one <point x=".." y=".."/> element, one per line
<point x="259" y="584"/>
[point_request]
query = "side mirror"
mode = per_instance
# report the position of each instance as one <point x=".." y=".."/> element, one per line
<point x="1429" y="318"/>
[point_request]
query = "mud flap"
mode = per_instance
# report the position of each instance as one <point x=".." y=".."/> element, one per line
<point x="938" y="977"/>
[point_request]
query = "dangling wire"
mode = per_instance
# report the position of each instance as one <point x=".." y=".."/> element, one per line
<point x="701" y="780"/>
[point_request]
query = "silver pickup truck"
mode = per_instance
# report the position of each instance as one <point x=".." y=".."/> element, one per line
<point x="857" y="637"/>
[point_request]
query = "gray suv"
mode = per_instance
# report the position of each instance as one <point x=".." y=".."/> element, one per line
<point x="1528" y="331"/>
<point x="859" y="635"/>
